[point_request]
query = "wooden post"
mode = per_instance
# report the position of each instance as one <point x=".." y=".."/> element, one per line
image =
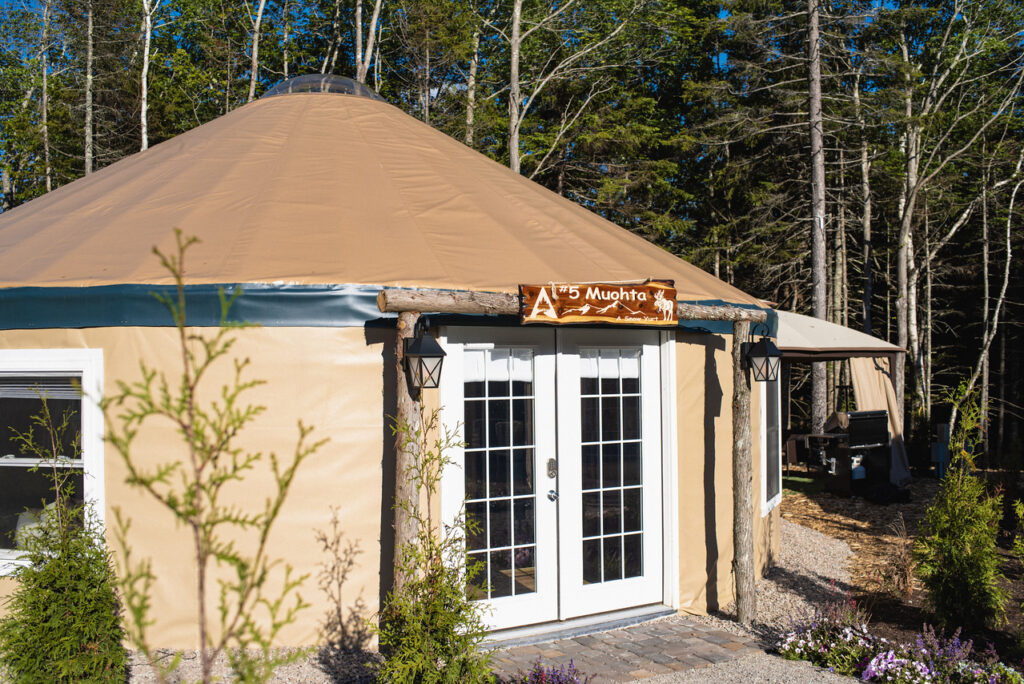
<point x="742" y="481"/>
<point x="407" y="413"/>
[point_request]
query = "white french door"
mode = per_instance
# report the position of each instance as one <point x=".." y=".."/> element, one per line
<point x="609" y="454"/>
<point x="560" y="476"/>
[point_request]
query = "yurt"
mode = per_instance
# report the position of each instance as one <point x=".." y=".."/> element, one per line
<point x="596" y="450"/>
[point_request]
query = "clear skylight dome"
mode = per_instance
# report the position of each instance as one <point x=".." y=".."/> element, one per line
<point x="322" y="83"/>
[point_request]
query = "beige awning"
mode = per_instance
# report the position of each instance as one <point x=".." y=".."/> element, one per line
<point x="326" y="189"/>
<point x="805" y="337"/>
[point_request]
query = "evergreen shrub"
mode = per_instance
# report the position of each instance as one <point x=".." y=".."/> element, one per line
<point x="956" y="554"/>
<point x="63" y="621"/>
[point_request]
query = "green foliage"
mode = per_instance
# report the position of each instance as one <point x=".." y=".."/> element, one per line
<point x="956" y="553"/>
<point x="63" y="622"/>
<point x="249" y="616"/>
<point x="430" y="628"/>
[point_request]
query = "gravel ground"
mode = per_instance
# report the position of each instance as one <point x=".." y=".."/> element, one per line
<point x="811" y="568"/>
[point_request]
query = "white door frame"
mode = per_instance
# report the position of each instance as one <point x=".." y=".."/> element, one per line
<point x="542" y="607"/>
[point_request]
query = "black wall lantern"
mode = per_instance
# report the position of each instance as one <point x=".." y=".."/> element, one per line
<point x="763" y="358"/>
<point x="422" y="357"/>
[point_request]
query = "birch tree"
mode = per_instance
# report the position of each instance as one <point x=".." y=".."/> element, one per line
<point x="149" y="10"/>
<point x="961" y="73"/>
<point x="575" y="43"/>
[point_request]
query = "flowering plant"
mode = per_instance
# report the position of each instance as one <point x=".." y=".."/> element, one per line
<point x="837" y="637"/>
<point x="566" y="674"/>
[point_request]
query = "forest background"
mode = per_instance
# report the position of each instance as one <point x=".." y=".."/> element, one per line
<point x="687" y="122"/>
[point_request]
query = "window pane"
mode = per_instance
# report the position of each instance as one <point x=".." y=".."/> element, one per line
<point x="16" y="416"/>
<point x="498" y="423"/>
<point x="23" y="498"/>
<point x="526" y="570"/>
<point x="610" y="465"/>
<point x="501" y="573"/>
<point x="633" y="555"/>
<point x="612" y="558"/>
<point x="476" y="474"/>
<point x="501" y="523"/>
<point x="475" y="429"/>
<point x="592" y="514"/>
<point x="773" y="474"/>
<point x="499" y="475"/>
<point x="631" y="463"/>
<point x="590" y="453"/>
<point x="522" y="462"/>
<point x="591" y="561"/>
<point x="609" y="418"/>
<point x="524" y="521"/>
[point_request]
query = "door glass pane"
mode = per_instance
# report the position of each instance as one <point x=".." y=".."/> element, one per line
<point x="500" y="482"/>
<point x="611" y="465"/>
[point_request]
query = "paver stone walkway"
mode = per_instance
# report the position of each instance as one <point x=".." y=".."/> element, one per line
<point x="637" y="652"/>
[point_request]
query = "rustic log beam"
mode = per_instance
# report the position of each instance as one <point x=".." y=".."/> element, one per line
<point x="407" y="415"/>
<point x="448" y="301"/>
<point x="742" y="481"/>
<point x="466" y="302"/>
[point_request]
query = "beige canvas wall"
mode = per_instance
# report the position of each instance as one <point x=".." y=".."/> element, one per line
<point x="333" y="378"/>
<point x="704" y="404"/>
<point x="327" y="377"/>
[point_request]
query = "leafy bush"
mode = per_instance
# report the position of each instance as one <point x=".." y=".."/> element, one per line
<point x="956" y="550"/>
<point x="430" y="628"/>
<point x="64" y="621"/>
<point x="836" y="637"/>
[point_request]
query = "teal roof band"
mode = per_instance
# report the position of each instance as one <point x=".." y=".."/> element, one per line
<point x="316" y="306"/>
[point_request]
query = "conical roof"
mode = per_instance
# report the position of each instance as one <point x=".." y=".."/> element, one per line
<point x="314" y="189"/>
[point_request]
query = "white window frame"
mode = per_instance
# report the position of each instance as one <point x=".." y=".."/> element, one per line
<point x="766" y="504"/>
<point x="88" y="364"/>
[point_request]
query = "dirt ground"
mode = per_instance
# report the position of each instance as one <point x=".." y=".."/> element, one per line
<point x="881" y="559"/>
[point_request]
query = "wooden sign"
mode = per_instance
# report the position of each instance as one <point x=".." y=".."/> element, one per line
<point x="649" y="303"/>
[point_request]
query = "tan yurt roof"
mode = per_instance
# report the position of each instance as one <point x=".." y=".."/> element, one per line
<point x="813" y="338"/>
<point x="312" y="188"/>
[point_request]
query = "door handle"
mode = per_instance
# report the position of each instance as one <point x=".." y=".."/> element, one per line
<point x="552" y="495"/>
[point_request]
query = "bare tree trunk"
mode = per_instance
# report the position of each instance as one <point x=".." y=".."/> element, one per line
<point x="426" y="80"/>
<point x="515" y="87"/>
<point x="88" y="163"/>
<point x="332" y="45"/>
<point x="742" y="482"/>
<point x="254" y="64"/>
<point x="6" y="192"/>
<point x="816" y="126"/>
<point x="985" y="315"/>
<point x="44" y="49"/>
<point x="359" y="33"/>
<point x="1001" y="432"/>
<point x="865" y="198"/>
<point x="996" y="311"/>
<point x="913" y="327"/>
<point x="284" y="43"/>
<point x="363" y="61"/>
<point x="474" y="64"/>
<point x="928" y="303"/>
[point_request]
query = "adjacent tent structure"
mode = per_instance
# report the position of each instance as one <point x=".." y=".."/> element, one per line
<point x="804" y="338"/>
<point x="308" y="204"/>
